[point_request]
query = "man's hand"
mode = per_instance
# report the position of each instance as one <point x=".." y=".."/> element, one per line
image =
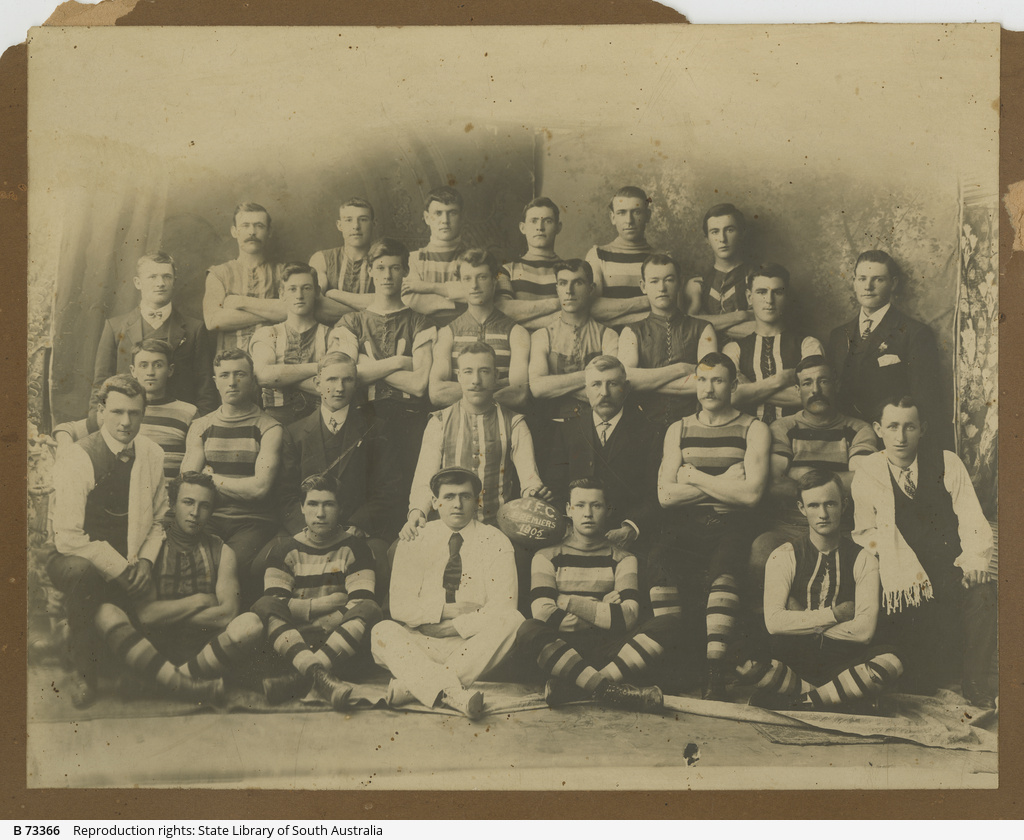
<point x="686" y="474"/>
<point x="451" y="611"/>
<point x="444" y="629"/>
<point x="540" y="492"/>
<point x="975" y="578"/>
<point x="357" y="532"/>
<point x="569" y="622"/>
<point x="562" y="602"/>
<point x="333" y="602"/>
<point x="623" y="537"/>
<point x="844" y="611"/>
<point x="417" y="519"/>
<point x="736" y="472"/>
<point x="613" y="597"/>
<point x="208" y="470"/>
<point x="793" y="605"/>
<point x="786" y="377"/>
<point x="138" y="577"/>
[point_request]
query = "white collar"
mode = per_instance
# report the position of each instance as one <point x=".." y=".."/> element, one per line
<point x="340" y="416"/>
<point x="897" y="470"/>
<point x="876" y="317"/>
<point x="161" y="312"/>
<point x="114" y="445"/>
<point x="612" y="423"/>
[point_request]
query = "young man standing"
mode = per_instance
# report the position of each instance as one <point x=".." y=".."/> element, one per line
<point x="189" y="631"/>
<point x="766" y="358"/>
<point x="917" y="510"/>
<point x="394" y="348"/>
<point x="155" y="317"/>
<point x="532" y="276"/>
<point x="821" y="600"/>
<point x="484" y="322"/>
<point x="586" y="633"/>
<point x="617" y="265"/>
<point x="720" y="295"/>
<point x="285" y="355"/>
<point x="714" y="468"/>
<point x="240" y="446"/>
<point x="344" y="273"/>
<point x="108" y="502"/>
<point x="319" y="602"/>
<point x="241" y="295"/>
<point x="453" y="601"/>
<point x="660" y="352"/>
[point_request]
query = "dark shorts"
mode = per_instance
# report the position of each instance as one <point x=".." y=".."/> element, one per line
<point x="819" y="659"/>
<point x="697" y="546"/>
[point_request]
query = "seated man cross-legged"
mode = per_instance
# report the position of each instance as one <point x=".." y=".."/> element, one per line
<point x="319" y="592"/>
<point x="586" y="610"/>
<point x="186" y="630"/>
<point x="453" y="601"/>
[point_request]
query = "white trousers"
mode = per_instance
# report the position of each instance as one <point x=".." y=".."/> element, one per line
<point x="426" y="666"/>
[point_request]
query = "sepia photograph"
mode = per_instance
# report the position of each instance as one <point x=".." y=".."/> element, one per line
<point x="674" y="349"/>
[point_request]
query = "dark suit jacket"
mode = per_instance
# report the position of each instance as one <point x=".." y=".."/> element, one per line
<point x="367" y="476"/>
<point x="627" y="466"/>
<point x="192" y="380"/>
<point x="899" y="357"/>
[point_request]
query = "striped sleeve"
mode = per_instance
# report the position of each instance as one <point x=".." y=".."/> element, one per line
<point x="504" y="289"/>
<point x="278" y="580"/>
<point x="544" y="590"/>
<point x="864" y="441"/>
<point x="360" y="577"/>
<point x="628" y="586"/>
<point x="781" y="444"/>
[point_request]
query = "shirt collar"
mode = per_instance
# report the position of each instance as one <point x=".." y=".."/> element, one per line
<point x="339" y="416"/>
<point x="898" y="471"/>
<point x="115" y="446"/>
<point x="614" y="421"/>
<point x="876" y="317"/>
<point x="161" y="313"/>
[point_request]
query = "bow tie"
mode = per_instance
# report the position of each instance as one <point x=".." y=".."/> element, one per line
<point x="127" y="454"/>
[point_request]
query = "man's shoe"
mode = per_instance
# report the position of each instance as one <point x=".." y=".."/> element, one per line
<point x="203" y="691"/>
<point x="714" y="684"/>
<point x="398" y="695"/>
<point x="82" y="692"/>
<point x="280" y="690"/>
<point x="559" y="692"/>
<point x="333" y="690"/>
<point x="464" y="700"/>
<point x="629" y="697"/>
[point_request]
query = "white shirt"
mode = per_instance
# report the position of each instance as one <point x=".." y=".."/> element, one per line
<point x="339" y="416"/>
<point x="114" y="445"/>
<point x="875" y="317"/>
<point x="611" y="424"/>
<point x="899" y="473"/>
<point x="155" y="317"/>
<point x="488" y="576"/>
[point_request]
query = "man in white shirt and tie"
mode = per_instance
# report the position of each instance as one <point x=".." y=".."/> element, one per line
<point x="453" y="600"/>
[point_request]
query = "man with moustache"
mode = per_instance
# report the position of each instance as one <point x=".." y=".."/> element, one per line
<point x="155" y="317"/>
<point x="108" y="503"/>
<point x="285" y="355"/>
<point x="766" y="358"/>
<point x="241" y="295"/>
<point x="660" y="352"/>
<point x="719" y="296"/>
<point x="617" y="265"/>
<point x="344" y="273"/>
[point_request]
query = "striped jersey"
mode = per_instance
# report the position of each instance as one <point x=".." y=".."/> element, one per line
<point x="713" y="449"/>
<point x="758" y="357"/>
<point x="496" y="330"/>
<point x="257" y="281"/>
<point x="805" y="443"/>
<point x="231" y="446"/>
<point x="166" y="423"/>
<point x="617" y="274"/>
<point x="724" y="291"/>
<point x="439" y="265"/>
<point x="822" y="580"/>
<point x="291" y="348"/>
<point x="570" y="350"/>
<point x="345" y="273"/>
<point x="179" y="572"/>
<point x="533" y="279"/>
<point x="588" y="573"/>
<point x="297" y="570"/>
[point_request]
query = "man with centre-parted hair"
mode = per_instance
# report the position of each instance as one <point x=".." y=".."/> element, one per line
<point x="586" y="631"/>
<point x="184" y="630"/>
<point x="108" y="502"/>
<point x="239" y="444"/>
<point x="319" y="601"/>
<point x="453" y="603"/>
<point x="714" y="469"/>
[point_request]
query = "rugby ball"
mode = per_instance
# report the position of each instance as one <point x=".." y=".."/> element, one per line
<point x="531" y="523"/>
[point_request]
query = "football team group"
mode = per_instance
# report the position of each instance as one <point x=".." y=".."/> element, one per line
<point x="593" y="474"/>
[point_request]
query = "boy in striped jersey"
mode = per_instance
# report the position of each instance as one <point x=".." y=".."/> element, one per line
<point x="585" y="604"/>
<point x="285" y="355"/>
<point x="319" y="603"/>
<point x="719" y="296"/>
<point x="344" y="273"/>
<point x="714" y="468"/>
<point x="617" y="264"/>
<point x="532" y="276"/>
<point x="185" y="630"/>
<point x="821" y="607"/>
<point x="482" y="321"/>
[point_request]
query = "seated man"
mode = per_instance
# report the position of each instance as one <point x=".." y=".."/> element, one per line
<point x="479" y="435"/>
<point x="586" y="632"/>
<point x="239" y="444"/>
<point x="166" y="421"/>
<point x="394" y="348"/>
<point x="187" y="631"/>
<point x="108" y="502"/>
<point x="917" y="510"/>
<point x="453" y="601"/>
<point x="344" y="273"/>
<point x="821" y="600"/>
<point x="660" y="352"/>
<point x="319" y="602"/>
<point x="617" y="265"/>
<point x="719" y="296"/>
<point x="156" y="318"/>
<point x="714" y="468"/>
<point x="766" y="358"/>
<point x="285" y="355"/>
<point x="483" y="321"/>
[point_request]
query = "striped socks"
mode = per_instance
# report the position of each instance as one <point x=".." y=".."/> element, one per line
<point x="563" y="663"/>
<point x="722" y="614"/>
<point x="633" y="658"/>
<point x="864" y="680"/>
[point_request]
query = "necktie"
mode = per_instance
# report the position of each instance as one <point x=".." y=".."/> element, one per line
<point x="867" y="329"/>
<point x="333" y="425"/>
<point x="453" y="569"/>
<point x="604" y="432"/>
<point x="907" y="482"/>
<point x="768" y="412"/>
<point x="127" y="455"/>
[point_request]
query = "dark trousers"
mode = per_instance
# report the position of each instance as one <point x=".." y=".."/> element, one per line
<point x="84" y="590"/>
<point x="247" y="538"/>
<point x="819" y="659"/>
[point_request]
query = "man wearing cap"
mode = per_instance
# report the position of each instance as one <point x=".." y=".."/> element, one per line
<point x="453" y="603"/>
